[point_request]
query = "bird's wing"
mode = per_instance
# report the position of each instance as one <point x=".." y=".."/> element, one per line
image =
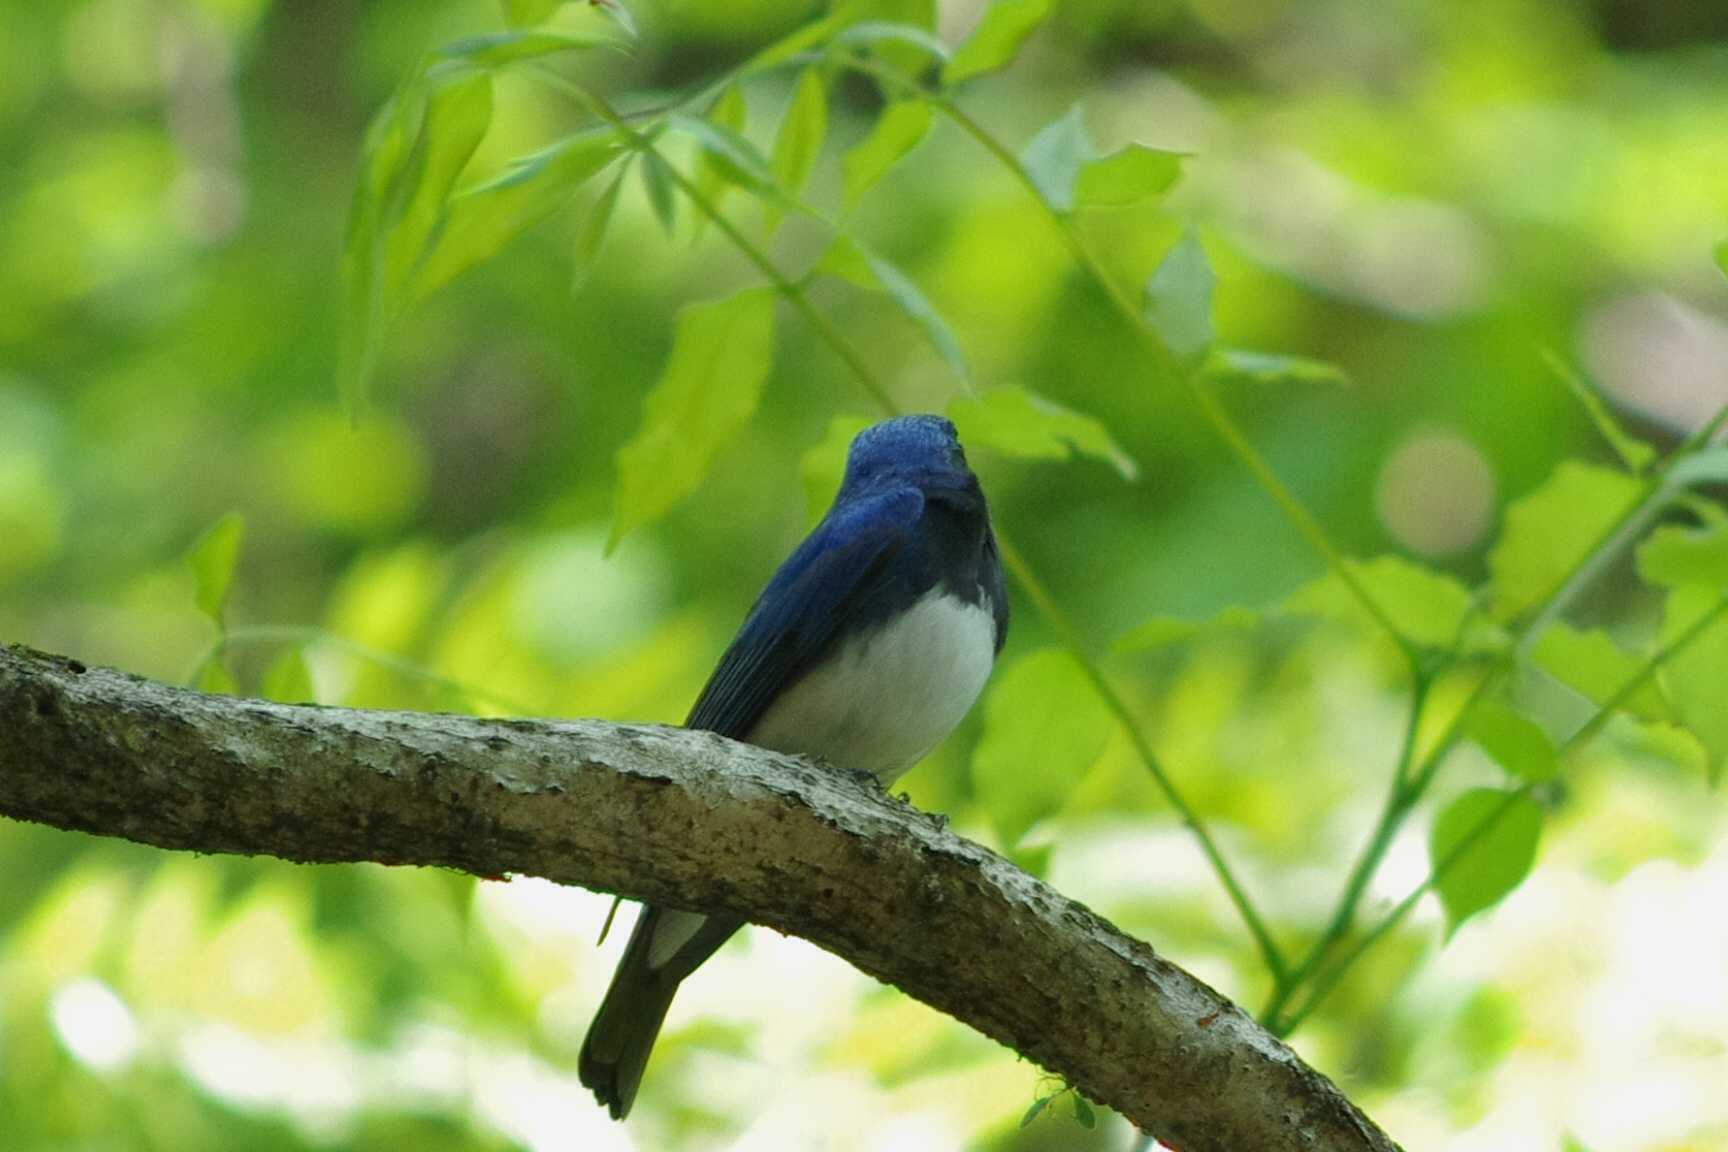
<point x="840" y="567"/>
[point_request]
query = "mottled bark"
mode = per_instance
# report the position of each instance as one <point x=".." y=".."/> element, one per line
<point x="686" y="819"/>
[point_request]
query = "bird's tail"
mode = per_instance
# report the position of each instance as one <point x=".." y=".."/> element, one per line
<point x="664" y="948"/>
<point x="623" y="1033"/>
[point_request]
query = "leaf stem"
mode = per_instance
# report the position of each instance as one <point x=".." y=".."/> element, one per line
<point x="1012" y="557"/>
<point x="1208" y="404"/>
<point x="1323" y="984"/>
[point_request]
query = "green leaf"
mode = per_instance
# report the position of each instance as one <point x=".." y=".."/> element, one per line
<point x="212" y="559"/>
<point x="799" y="141"/>
<point x="900" y="128"/>
<point x="1038" y="1106"/>
<point x="1674" y="556"/>
<point x="996" y="41"/>
<point x="1271" y="369"/>
<point x="849" y="260"/>
<point x="1164" y="631"/>
<point x="717" y="166"/>
<point x="721" y="353"/>
<point x="1708" y="466"/>
<point x="1550" y="531"/>
<point x="1043" y="727"/>
<point x="1428" y="607"/>
<point x="1179" y="300"/>
<point x="823" y="464"/>
<point x="1722" y="256"/>
<point x="524" y="13"/>
<point x="500" y="49"/>
<point x="725" y="151"/>
<point x="480" y="221"/>
<point x="1494" y="835"/>
<point x="1055" y="156"/>
<point x="1633" y="452"/>
<point x="384" y="161"/>
<point x="844" y="260"/>
<point x="1514" y="742"/>
<point x="1022" y="424"/>
<point x="657" y="183"/>
<point x="215" y="679"/>
<point x="458" y="112"/>
<point x="619" y="14"/>
<point x="873" y="33"/>
<point x="592" y="235"/>
<point x="1127" y="176"/>
<point x="1083" y="1113"/>
<point x="1694" y="678"/>
<point x="1594" y="666"/>
<point x="288" y="680"/>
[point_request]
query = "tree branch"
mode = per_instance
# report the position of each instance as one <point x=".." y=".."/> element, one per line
<point x="686" y="819"/>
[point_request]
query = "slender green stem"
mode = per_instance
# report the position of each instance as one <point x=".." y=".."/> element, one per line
<point x="1392" y="812"/>
<point x="1040" y="596"/>
<point x="1323" y="984"/>
<point x="1209" y="406"/>
<point x="1012" y="557"/>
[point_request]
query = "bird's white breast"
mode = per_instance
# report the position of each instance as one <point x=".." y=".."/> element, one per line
<point x="888" y="695"/>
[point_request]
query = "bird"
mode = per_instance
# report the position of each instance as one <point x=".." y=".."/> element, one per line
<point x="865" y="649"/>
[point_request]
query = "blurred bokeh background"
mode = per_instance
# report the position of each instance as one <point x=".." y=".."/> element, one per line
<point x="1436" y="195"/>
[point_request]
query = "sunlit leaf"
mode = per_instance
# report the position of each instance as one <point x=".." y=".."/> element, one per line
<point x="1427" y="607"/>
<point x="1044" y="726"/>
<point x="522" y="13"/>
<point x="1549" y="532"/>
<point x="794" y="44"/>
<point x="898" y="130"/>
<point x="1271" y="369"/>
<point x="1019" y="423"/>
<point x="1001" y="31"/>
<point x="717" y="166"/>
<point x="823" y="464"/>
<point x="1594" y="666"/>
<point x="1514" y="742"/>
<point x="851" y="261"/>
<point x="1037" y="1107"/>
<point x="384" y="162"/>
<point x="910" y="56"/>
<point x="1127" y="176"/>
<point x="799" y="141"/>
<point x="729" y="153"/>
<point x="1483" y="845"/>
<point x="1179" y="300"/>
<point x="657" y="183"/>
<point x="874" y="33"/>
<point x="480" y="221"/>
<point x="458" y="112"/>
<point x="721" y="353"/>
<point x="1709" y="466"/>
<point x="212" y="559"/>
<point x="619" y="13"/>
<point x="1054" y="157"/>
<point x="1694" y="678"/>
<point x="1164" y="631"/>
<point x="1673" y="557"/>
<point x="591" y="237"/>
<point x="1633" y="452"/>
<point x="499" y="49"/>
<point x="215" y="678"/>
<point x="288" y="680"/>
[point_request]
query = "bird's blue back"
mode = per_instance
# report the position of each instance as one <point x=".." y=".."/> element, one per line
<point x="909" y="518"/>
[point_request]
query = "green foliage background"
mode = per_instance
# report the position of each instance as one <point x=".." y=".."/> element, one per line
<point x="1481" y="213"/>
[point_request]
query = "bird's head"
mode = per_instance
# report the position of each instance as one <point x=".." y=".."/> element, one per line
<point x="921" y="451"/>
